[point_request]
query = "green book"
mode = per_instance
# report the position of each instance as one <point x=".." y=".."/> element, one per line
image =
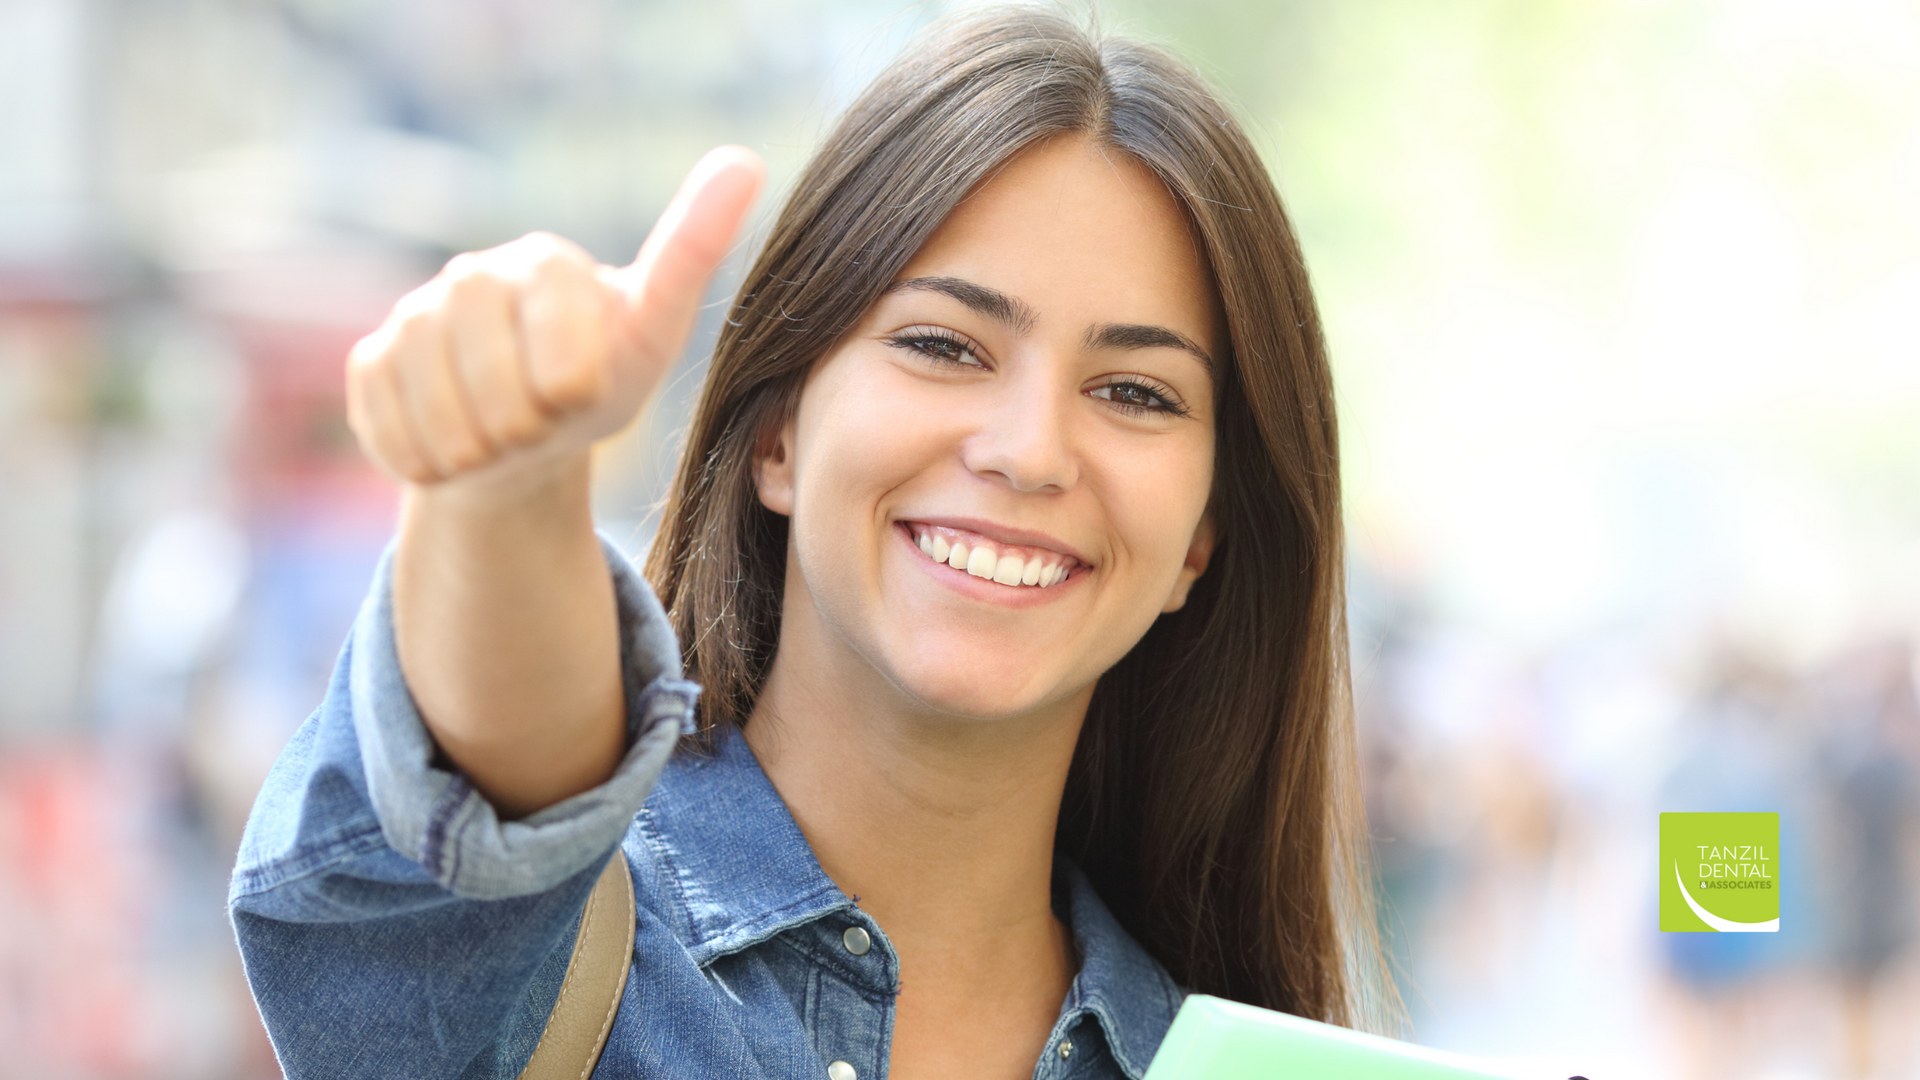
<point x="1215" y="1039"/>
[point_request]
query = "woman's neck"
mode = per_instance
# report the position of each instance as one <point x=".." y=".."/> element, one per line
<point x="929" y="820"/>
<point x="942" y="827"/>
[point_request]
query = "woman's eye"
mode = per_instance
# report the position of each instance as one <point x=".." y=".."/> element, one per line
<point x="942" y="348"/>
<point x="1138" y="398"/>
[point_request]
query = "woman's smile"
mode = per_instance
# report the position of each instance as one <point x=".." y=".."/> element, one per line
<point x="996" y="559"/>
<point x="982" y="563"/>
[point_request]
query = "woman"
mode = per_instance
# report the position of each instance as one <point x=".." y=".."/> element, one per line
<point x="1005" y="555"/>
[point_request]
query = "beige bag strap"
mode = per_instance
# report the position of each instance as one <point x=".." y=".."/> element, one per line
<point x="577" y="1028"/>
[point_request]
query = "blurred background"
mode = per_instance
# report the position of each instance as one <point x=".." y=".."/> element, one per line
<point x="1623" y="298"/>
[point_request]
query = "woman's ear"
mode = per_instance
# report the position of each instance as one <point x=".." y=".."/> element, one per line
<point x="1198" y="553"/>
<point x="773" y="468"/>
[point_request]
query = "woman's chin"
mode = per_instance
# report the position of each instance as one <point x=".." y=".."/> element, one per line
<point x="980" y="691"/>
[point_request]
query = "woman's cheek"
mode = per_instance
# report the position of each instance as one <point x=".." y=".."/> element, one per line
<point x="861" y="435"/>
<point x="875" y="414"/>
<point x="1155" y="497"/>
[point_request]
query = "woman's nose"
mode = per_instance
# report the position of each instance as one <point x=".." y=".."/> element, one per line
<point x="1024" y="438"/>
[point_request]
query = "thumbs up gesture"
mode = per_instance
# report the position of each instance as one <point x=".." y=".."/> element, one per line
<point x="483" y="392"/>
<point x="515" y="359"/>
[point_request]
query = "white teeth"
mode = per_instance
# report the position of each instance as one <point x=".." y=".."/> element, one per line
<point x="1009" y="570"/>
<point x="987" y="560"/>
<point x="980" y="562"/>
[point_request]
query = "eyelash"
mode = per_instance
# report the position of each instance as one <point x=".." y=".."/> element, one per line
<point x="926" y="340"/>
<point x="941" y="346"/>
<point x="1169" y="404"/>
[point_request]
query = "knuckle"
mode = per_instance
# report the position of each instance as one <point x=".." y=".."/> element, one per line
<point x="561" y="260"/>
<point x="560" y="389"/>
<point x="464" y="264"/>
<point x="425" y="298"/>
<point x="413" y="325"/>
<point x="513" y="419"/>
<point x="550" y="243"/>
<point x="365" y="355"/>
<point x="472" y="287"/>
<point x="567" y="368"/>
<point x="466" y="453"/>
<point x="522" y="427"/>
<point x="537" y="259"/>
<point x="549" y="272"/>
<point x="532" y="247"/>
<point x="462" y="269"/>
<point x="577" y="387"/>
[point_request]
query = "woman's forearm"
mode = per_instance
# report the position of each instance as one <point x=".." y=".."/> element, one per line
<point x="508" y="634"/>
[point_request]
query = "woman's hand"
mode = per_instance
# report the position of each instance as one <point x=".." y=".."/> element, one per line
<point x="521" y="356"/>
<point x="483" y="392"/>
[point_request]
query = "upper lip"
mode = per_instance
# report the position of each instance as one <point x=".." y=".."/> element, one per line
<point x="1006" y="534"/>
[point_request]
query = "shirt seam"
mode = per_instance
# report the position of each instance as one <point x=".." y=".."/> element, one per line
<point x="661" y="852"/>
<point x="744" y="934"/>
<point x="750" y="932"/>
<point x="1110" y="1028"/>
<point x="362" y="841"/>
<point x="434" y="848"/>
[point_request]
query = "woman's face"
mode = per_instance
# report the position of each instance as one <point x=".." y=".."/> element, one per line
<point x="999" y="478"/>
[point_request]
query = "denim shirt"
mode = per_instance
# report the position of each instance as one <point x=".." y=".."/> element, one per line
<point x="392" y="925"/>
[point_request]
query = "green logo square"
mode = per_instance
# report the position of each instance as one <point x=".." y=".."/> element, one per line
<point x="1720" y="872"/>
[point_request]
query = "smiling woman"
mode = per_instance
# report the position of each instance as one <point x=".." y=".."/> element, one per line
<point x="1006" y="556"/>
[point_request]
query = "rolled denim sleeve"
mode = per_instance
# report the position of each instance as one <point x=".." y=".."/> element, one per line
<point x="387" y="916"/>
<point x="436" y="818"/>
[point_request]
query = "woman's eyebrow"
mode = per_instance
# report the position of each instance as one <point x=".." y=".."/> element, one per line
<point x="992" y="303"/>
<point x="1135" y="336"/>
<point x="1015" y="314"/>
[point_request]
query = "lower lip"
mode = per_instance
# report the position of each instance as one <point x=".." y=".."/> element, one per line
<point x="985" y="589"/>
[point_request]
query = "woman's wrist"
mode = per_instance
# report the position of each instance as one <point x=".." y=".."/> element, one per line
<point x="540" y="491"/>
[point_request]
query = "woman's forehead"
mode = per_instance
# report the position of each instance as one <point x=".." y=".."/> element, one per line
<point x="1080" y="234"/>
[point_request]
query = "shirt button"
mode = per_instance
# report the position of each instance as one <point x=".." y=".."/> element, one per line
<point x="840" y="1070"/>
<point x="857" y="943"/>
<point x="1066" y="1049"/>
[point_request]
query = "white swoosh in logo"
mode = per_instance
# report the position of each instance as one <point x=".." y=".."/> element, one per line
<point x="1715" y="921"/>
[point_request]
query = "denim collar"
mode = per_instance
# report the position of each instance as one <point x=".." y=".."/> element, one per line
<point x="1127" y="991"/>
<point x="744" y="873"/>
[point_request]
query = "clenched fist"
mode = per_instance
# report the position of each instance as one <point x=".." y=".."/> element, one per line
<point x="483" y="391"/>
<point x="526" y="353"/>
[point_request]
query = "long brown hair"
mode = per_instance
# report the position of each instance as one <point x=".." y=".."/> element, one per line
<point x="1213" y="798"/>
